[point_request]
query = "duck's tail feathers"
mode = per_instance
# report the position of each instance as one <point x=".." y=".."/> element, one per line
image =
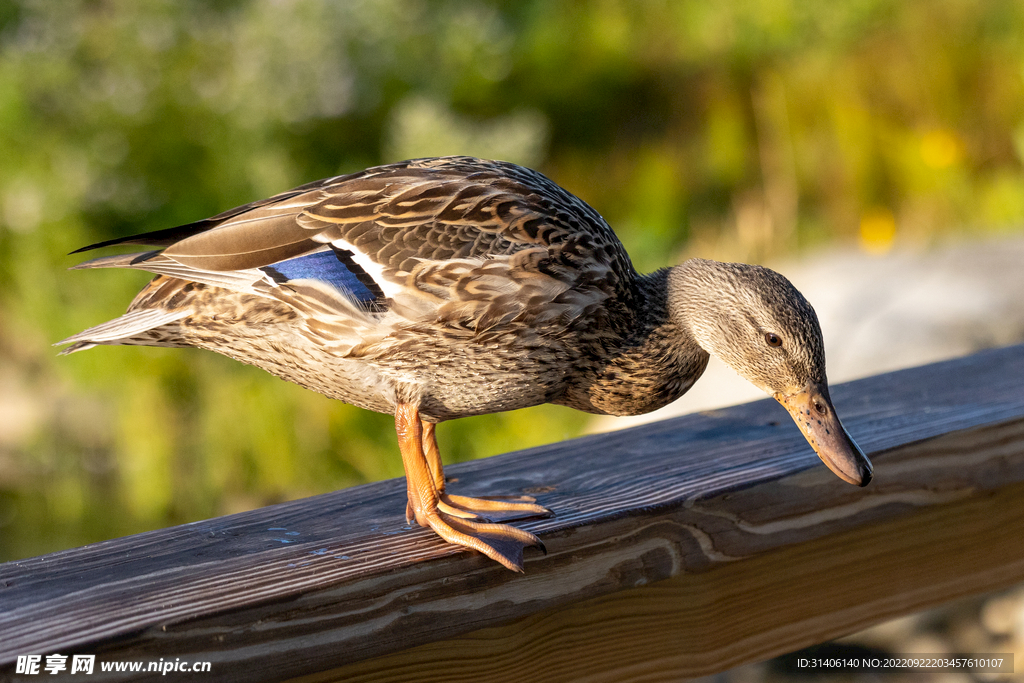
<point x="116" y="261"/>
<point x="155" y="262"/>
<point x="169" y="236"/>
<point x="122" y="330"/>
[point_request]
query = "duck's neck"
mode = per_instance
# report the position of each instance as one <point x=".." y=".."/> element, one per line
<point x="697" y="291"/>
<point x="650" y="362"/>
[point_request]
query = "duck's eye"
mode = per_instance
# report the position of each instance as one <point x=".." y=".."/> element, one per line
<point x="773" y="339"/>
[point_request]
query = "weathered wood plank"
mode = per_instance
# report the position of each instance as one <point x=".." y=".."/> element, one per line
<point x="336" y="579"/>
<point x="746" y="610"/>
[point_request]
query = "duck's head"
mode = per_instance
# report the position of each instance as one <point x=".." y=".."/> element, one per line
<point x="757" y="322"/>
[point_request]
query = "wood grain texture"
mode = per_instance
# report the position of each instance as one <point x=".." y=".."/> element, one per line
<point x="730" y="506"/>
<point x="748" y="611"/>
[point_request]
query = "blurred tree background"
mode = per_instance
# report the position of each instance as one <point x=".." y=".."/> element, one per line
<point x="747" y="130"/>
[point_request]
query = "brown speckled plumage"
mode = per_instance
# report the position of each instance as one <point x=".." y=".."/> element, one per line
<point x="450" y="287"/>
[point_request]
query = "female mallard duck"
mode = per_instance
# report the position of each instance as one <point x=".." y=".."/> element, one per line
<point x="438" y="288"/>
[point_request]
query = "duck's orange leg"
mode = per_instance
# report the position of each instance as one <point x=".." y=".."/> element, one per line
<point x="500" y="542"/>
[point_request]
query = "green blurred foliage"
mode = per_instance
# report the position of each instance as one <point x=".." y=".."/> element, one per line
<point x="745" y="129"/>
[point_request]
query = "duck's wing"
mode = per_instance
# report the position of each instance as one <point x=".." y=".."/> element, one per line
<point x="453" y="240"/>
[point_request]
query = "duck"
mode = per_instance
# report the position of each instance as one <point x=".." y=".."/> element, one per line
<point x="439" y="288"/>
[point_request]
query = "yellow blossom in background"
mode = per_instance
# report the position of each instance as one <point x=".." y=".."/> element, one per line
<point x="877" y="230"/>
<point x="941" y="149"/>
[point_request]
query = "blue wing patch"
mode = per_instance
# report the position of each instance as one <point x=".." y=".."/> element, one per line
<point x="336" y="268"/>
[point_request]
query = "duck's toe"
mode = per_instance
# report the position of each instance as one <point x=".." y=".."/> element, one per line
<point x="500" y="542"/>
<point x="492" y="509"/>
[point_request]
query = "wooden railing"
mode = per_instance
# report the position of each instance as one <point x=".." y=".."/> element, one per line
<point x="678" y="549"/>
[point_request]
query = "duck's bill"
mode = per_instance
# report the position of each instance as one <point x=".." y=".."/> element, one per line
<point x="813" y="413"/>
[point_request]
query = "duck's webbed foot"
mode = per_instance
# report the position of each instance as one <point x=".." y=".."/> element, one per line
<point x="500" y="542"/>
<point x="458" y="519"/>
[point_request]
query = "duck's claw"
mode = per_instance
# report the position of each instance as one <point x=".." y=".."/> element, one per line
<point x="492" y="509"/>
<point x="500" y="542"/>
